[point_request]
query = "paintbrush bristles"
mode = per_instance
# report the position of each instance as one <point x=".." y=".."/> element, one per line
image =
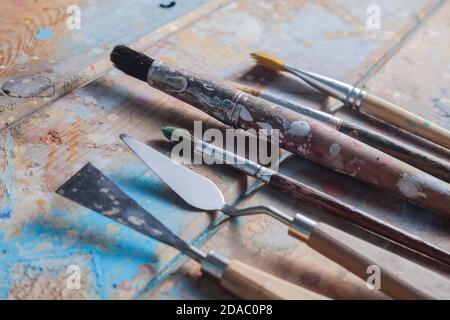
<point x="131" y="62"/>
<point x="244" y="88"/>
<point x="266" y="60"/>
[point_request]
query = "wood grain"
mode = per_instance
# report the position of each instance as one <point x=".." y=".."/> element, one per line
<point x="54" y="61"/>
<point x="391" y="113"/>
<point x="250" y="283"/>
<point x="353" y="214"/>
<point x="323" y="240"/>
<point x="20" y="22"/>
<point x="129" y="266"/>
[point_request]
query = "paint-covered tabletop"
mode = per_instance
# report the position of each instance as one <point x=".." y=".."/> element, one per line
<point x="62" y="105"/>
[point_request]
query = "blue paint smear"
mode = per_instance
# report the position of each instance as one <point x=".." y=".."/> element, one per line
<point x="118" y="252"/>
<point x="117" y="256"/>
<point x="6" y="213"/>
<point x="7" y="179"/>
<point x="44" y="33"/>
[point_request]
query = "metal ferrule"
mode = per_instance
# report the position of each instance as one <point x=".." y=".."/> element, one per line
<point x="242" y="164"/>
<point x="350" y="95"/>
<point x="214" y="264"/>
<point x="302" y="226"/>
<point x="309" y="112"/>
<point x="355" y="98"/>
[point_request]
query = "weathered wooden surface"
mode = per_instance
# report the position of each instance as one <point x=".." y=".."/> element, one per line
<point x="40" y="45"/>
<point x="41" y="234"/>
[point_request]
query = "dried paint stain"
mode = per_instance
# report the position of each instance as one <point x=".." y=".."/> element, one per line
<point x="334" y="150"/>
<point x="52" y="137"/>
<point x="245" y="115"/>
<point x="136" y="220"/>
<point x="299" y="128"/>
<point x="410" y="187"/>
<point x="6" y="213"/>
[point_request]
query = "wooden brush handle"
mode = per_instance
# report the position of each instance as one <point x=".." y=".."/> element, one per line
<point x="406" y="120"/>
<point x="324" y="241"/>
<point x="250" y="283"/>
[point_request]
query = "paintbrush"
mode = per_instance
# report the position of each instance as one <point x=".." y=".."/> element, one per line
<point x="310" y="195"/>
<point x="90" y="188"/>
<point x="202" y="193"/>
<point x="402" y="151"/>
<point x="359" y="99"/>
<point x="298" y="134"/>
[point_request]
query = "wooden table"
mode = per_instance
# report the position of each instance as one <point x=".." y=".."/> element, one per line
<point x="62" y="105"/>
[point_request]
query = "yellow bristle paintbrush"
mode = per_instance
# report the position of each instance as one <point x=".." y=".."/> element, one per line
<point x="361" y="100"/>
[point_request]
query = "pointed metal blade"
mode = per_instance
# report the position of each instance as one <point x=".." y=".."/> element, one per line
<point x="90" y="188"/>
<point x="198" y="191"/>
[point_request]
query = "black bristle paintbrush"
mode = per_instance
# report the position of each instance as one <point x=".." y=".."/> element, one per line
<point x="131" y="62"/>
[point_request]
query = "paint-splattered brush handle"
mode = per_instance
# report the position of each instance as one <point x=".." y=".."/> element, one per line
<point x="319" y="199"/>
<point x="308" y="138"/>
<point x="417" y="158"/>
<point x="406" y="120"/>
<point x="324" y="240"/>
<point x="413" y="156"/>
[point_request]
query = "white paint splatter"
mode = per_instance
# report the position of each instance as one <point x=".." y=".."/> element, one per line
<point x="208" y="87"/>
<point x="136" y="220"/>
<point x="335" y="157"/>
<point x="299" y="128"/>
<point x="245" y="115"/>
<point x="98" y="206"/>
<point x="334" y="150"/>
<point x="157" y="232"/>
<point x="178" y="83"/>
<point x="410" y="187"/>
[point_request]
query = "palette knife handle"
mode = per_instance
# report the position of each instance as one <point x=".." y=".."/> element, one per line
<point x="251" y="283"/>
<point x="325" y="239"/>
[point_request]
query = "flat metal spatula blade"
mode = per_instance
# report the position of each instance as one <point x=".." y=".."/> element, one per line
<point x="90" y="188"/>
<point x="198" y="191"/>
